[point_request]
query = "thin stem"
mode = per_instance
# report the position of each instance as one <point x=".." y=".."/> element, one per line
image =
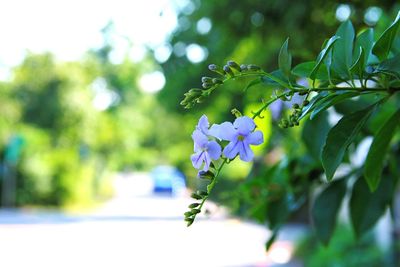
<point x="211" y="186"/>
<point x="269" y="102"/>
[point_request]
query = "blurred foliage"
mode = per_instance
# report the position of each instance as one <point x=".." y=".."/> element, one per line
<point x="344" y="250"/>
<point x="73" y="145"/>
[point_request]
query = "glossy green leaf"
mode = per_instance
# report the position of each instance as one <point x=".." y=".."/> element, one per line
<point x="340" y="137"/>
<point x="304" y="70"/>
<point x="376" y="155"/>
<point x="342" y="54"/>
<point x="384" y="44"/>
<point x="322" y="56"/>
<point x="285" y="59"/>
<point x="325" y="209"/>
<point x="275" y="78"/>
<point x="364" y="40"/>
<point x="331" y="100"/>
<point x="391" y="65"/>
<point x="365" y="207"/>
<point x="358" y="66"/>
<point x="314" y="134"/>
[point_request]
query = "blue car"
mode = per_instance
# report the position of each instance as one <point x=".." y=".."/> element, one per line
<point x="168" y="180"/>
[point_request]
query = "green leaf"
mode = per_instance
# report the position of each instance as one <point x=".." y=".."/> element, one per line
<point x="275" y="78"/>
<point x="304" y="70"/>
<point x="325" y="209"/>
<point x="376" y="155"/>
<point x="358" y="66"/>
<point x="340" y="137"/>
<point x="285" y="59"/>
<point x="322" y="56"/>
<point x="391" y="65"/>
<point x="331" y="100"/>
<point x="382" y="47"/>
<point x="343" y="51"/>
<point x="364" y="40"/>
<point x="365" y="207"/>
<point x="314" y="134"/>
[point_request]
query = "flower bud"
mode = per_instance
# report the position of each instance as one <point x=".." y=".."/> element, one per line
<point x="206" y="80"/>
<point x="200" y="99"/>
<point x="243" y="67"/>
<point x="193" y="205"/>
<point x="207" y="85"/>
<point x="196" y="196"/>
<point x="194" y="92"/>
<point x="228" y="70"/>
<point x="202" y="193"/>
<point x="216" y="69"/>
<point x="284" y="123"/>
<point x="195" y="211"/>
<point x="296" y="106"/>
<point x="184" y="102"/>
<point x="189" y="222"/>
<point x="234" y="65"/>
<point x="253" y="67"/>
<point x="236" y="112"/>
<point x="188" y="214"/>
<point x="217" y="81"/>
<point x="205" y="175"/>
<point x="189" y="105"/>
<point x="306" y="102"/>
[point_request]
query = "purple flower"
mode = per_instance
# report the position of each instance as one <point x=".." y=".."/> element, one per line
<point x="241" y="135"/>
<point x="205" y="149"/>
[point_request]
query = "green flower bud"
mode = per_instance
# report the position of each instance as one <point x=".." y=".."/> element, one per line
<point x="184" y="102"/>
<point x="234" y="65"/>
<point x="303" y="92"/>
<point x="253" y="67"/>
<point x="206" y="175"/>
<point x="193" y="205"/>
<point x="284" y="123"/>
<point x="196" y="211"/>
<point x="189" y="105"/>
<point x="189" y="222"/>
<point x="236" y="112"/>
<point x="216" y="69"/>
<point x="206" y="80"/>
<point x="306" y="102"/>
<point x="188" y="214"/>
<point x="194" y="92"/>
<point x="202" y="193"/>
<point x="228" y="70"/>
<point x="217" y="81"/>
<point x="207" y="85"/>
<point x="200" y="99"/>
<point x="196" y="196"/>
<point x="243" y="67"/>
<point x="296" y="106"/>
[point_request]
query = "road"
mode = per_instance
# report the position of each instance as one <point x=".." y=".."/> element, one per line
<point x="134" y="229"/>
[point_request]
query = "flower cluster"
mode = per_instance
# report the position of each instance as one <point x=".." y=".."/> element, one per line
<point x="207" y="141"/>
<point x="208" y="146"/>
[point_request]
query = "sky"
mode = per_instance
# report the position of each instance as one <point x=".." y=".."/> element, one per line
<point x="68" y="28"/>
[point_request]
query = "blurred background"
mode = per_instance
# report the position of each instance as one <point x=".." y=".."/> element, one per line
<point x="94" y="146"/>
